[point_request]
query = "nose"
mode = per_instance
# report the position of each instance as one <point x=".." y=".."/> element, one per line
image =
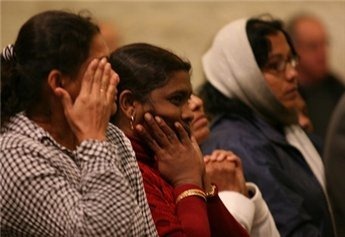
<point x="187" y="114"/>
<point x="291" y="73"/>
<point x="195" y="103"/>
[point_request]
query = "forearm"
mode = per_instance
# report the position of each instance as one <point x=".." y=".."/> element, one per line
<point x="192" y="212"/>
<point x="252" y="212"/>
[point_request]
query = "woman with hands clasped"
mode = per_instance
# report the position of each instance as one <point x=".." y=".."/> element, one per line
<point x="65" y="170"/>
<point x="154" y="113"/>
<point x="243" y="200"/>
<point x="250" y="95"/>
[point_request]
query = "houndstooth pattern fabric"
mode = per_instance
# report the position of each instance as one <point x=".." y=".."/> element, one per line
<point x="48" y="190"/>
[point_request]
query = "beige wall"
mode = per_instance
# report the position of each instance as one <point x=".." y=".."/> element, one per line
<point x="186" y="27"/>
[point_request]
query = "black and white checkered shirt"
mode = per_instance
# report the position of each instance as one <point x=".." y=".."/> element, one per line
<point x="48" y="190"/>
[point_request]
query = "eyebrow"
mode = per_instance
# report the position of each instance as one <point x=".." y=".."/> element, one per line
<point x="182" y="92"/>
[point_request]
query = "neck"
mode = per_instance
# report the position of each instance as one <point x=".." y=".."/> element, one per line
<point x="55" y="124"/>
<point x="122" y="123"/>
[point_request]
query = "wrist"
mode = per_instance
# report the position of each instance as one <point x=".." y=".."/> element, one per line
<point x="196" y="182"/>
<point x="191" y="192"/>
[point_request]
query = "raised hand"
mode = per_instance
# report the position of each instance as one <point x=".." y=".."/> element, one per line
<point x="179" y="157"/>
<point x="224" y="168"/>
<point x="89" y="114"/>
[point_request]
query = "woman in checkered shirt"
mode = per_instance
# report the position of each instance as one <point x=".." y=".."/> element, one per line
<point x="64" y="170"/>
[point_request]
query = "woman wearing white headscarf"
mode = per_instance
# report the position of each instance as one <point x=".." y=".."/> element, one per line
<point x="249" y="94"/>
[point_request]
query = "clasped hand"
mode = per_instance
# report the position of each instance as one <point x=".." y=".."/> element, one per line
<point x="224" y="168"/>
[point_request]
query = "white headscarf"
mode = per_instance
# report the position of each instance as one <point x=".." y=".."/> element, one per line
<point x="231" y="68"/>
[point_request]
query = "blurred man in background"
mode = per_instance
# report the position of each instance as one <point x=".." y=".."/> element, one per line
<point x="319" y="87"/>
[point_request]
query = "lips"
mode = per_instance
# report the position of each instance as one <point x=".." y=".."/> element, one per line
<point x="200" y="121"/>
<point x="291" y="93"/>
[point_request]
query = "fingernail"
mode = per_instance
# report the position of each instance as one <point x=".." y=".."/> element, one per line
<point x="139" y="128"/>
<point x="103" y="60"/>
<point x="148" y="116"/>
<point x="158" y="119"/>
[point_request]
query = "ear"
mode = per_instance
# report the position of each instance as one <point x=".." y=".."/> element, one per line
<point x="127" y="103"/>
<point x="55" y="80"/>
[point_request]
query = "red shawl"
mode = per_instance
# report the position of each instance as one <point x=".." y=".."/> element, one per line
<point x="192" y="216"/>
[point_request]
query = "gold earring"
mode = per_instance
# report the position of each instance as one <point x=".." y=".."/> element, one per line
<point x="131" y="121"/>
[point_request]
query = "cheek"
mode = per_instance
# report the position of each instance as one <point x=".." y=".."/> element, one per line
<point x="73" y="88"/>
<point x="167" y="111"/>
<point x="275" y="84"/>
<point x="160" y="109"/>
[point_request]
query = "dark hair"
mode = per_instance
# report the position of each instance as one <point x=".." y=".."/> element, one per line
<point x="215" y="103"/>
<point x="49" y="40"/>
<point x="143" y="67"/>
<point x="258" y="30"/>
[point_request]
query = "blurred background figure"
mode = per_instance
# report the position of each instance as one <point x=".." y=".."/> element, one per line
<point x="334" y="156"/>
<point x="319" y="87"/>
<point x="111" y="34"/>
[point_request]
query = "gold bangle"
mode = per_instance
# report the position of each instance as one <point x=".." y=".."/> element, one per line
<point x="191" y="192"/>
<point x="212" y="193"/>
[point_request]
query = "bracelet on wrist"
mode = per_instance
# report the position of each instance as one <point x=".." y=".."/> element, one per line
<point x="191" y="192"/>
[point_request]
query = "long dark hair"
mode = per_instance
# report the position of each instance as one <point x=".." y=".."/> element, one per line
<point x="49" y="40"/>
<point x="258" y="30"/>
<point x="143" y="67"/>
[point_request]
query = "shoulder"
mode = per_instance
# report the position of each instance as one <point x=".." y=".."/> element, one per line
<point x="230" y="129"/>
<point x="119" y="139"/>
<point x="114" y="134"/>
<point x="251" y="140"/>
<point x="13" y="142"/>
<point x="232" y="133"/>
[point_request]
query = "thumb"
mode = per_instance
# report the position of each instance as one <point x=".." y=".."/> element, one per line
<point x="65" y="98"/>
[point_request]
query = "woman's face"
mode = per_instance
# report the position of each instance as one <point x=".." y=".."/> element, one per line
<point x="98" y="49"/>
<point x="280" y="73"/>
<point x="199" y="124"/>
<point x="170" y="101"/>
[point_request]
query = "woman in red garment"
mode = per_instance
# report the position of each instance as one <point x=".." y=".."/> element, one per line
<point x="153" y="96"/>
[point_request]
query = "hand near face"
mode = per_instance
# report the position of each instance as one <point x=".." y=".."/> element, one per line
<point x="224" y="168"/>
<point x="179" y="157"/>
<point x="89" y="114"/>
